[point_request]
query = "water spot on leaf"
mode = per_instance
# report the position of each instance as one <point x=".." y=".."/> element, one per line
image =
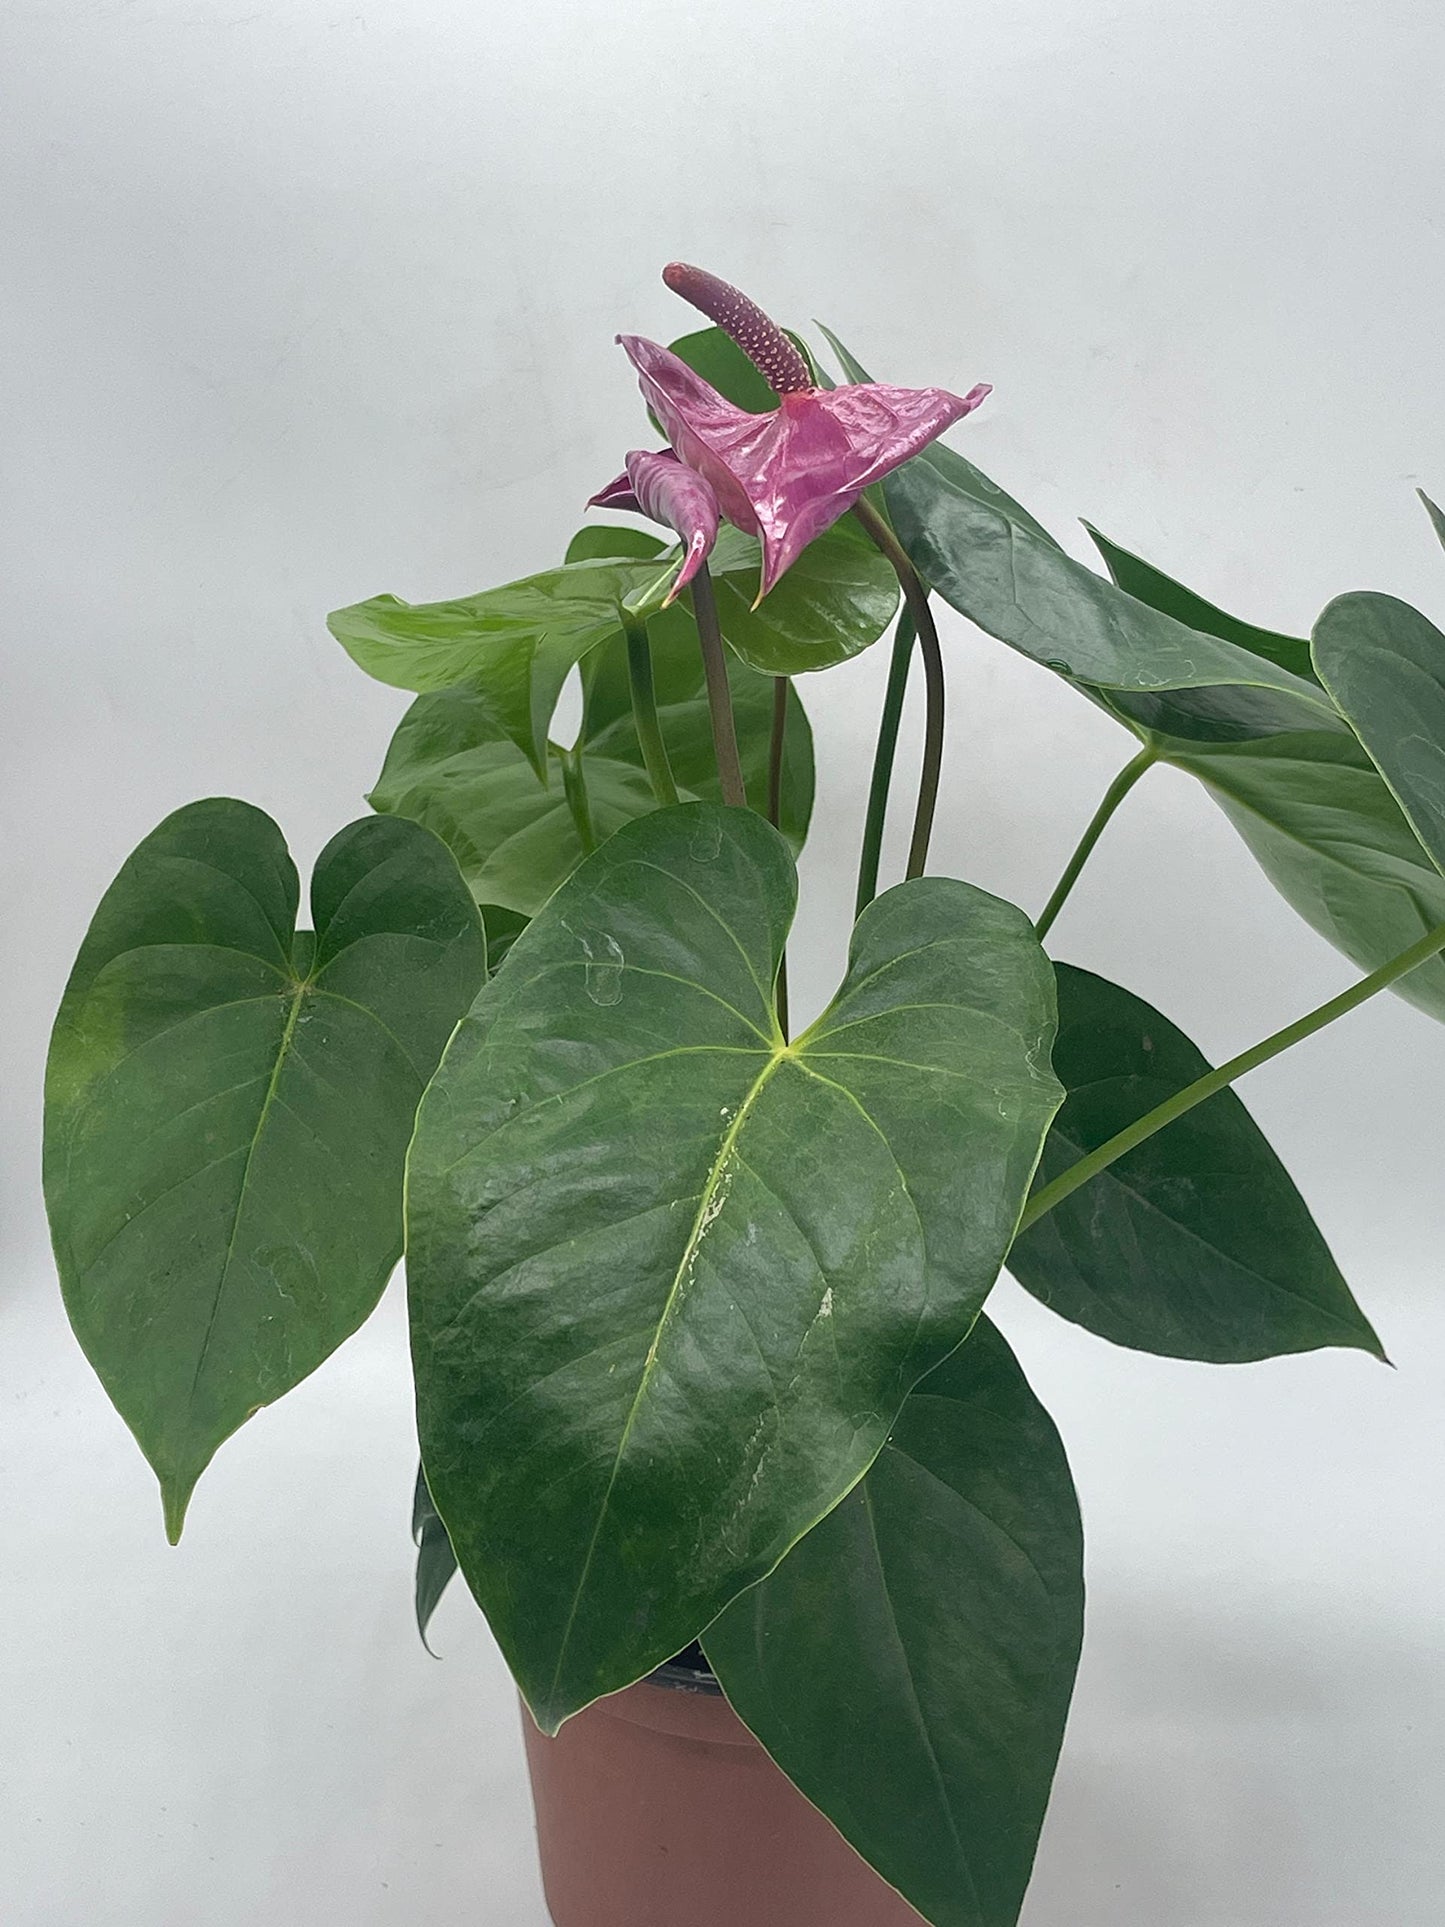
<point x="603" y="976"/>
<point x="707" y="841"/>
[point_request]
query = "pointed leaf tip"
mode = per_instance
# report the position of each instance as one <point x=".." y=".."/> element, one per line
<point x="175" y="1501"/>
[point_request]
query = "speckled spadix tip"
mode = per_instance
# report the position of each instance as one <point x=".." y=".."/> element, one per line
<point x="775" y="357"/>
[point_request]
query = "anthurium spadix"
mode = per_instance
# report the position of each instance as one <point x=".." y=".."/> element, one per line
<point x="787" y="475"/>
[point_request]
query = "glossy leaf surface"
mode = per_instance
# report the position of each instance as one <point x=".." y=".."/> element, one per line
<point x="1142" y="580"/>
<point x="514" y="646"/>
<point x="452" y="768"/>
<point x="1333" y="841"/>
<point x="834" y="602"/>
<point x="997" y="567"/>
<point x="910" y="1663"/>
<point x="1309" y="804"/>
<point x="1384" y="664"/>
<point x="670" y="1277"/>
<point x="228" y="1104"/>
<point x="1196" y="1244"/>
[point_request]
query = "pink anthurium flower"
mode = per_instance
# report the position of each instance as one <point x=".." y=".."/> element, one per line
<point x="656" y="484"/>
<point x="790" y="474"/>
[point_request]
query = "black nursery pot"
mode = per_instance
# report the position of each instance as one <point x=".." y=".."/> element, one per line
<point x="656" y="1807"/>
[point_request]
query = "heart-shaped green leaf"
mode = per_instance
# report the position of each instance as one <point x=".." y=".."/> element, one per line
<point x="1435" y="513"/>
<point x="228" y="1103"/>
<point x="910" y="1662"/>
<point x="1194" y="1245"/>
<point x="671" y="1277"/>
<point x="971" y="543"/>
<point x="452" y="768"/>
<point x="1384" y="664"/>
<point x="515" y="645"/>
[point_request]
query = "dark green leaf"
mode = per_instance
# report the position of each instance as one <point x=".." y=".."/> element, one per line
<point x="1384" y="664"/>
<point x="228" y="1104"/>
<point x="910" y="1663"/>
<point x="435" y="1560"/>
<point x="1332" y="840"/>
<point x="503" y="927"/>
<point x="994" y="565"/>
<point x="1309" y="804"/>
<point x="670" y="1277"/>
<point x="515" y="646"/>
<point x="452" y="768"/>
<point x="1194" y="1245"/>
<point x="1148" y="584"/>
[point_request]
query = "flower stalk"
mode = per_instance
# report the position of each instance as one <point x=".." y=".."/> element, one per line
<point x="719" y="693"/>
<point x="916" y="597"/>
<point x="1203" y="1088"/>
<point x="644" y="710"/>
<point x="1098" y="822"/>
<point x="888" y="722"/>
<point x="777" y="743"/>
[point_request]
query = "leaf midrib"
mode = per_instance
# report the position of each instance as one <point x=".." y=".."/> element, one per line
<point x="297" y="998"/>
<point x="780" y="1054"/>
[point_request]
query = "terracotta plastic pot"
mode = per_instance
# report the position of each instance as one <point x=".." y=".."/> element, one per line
<point x="658" y="1808"/>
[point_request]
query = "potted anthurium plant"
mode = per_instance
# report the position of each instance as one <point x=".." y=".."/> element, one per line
<point x="778" y="1544"/>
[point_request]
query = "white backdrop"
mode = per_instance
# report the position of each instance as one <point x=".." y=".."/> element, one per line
<point x="303" y="301"/>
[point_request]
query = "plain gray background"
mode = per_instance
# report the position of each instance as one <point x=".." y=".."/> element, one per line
<point x="303" y="301"/>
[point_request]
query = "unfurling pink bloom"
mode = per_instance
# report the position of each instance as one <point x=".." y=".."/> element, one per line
<point x="790" y="474"/>
<point x="658" y="485"/>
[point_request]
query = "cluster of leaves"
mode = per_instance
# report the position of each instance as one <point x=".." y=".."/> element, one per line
<point x="697" y="1309"/>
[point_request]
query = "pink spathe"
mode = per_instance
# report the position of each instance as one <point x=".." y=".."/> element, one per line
<point x="788" y="475"/>
<point x="656" y="484"/>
